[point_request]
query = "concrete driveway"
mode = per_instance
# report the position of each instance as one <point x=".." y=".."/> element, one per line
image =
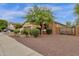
<point x="10" y="47"/>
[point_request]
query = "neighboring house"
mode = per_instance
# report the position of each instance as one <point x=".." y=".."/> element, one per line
<point x="28" y="25"/>
<point x="11" y="26"/>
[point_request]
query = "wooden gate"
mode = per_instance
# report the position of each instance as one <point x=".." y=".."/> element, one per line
<point x="67" y="30"/>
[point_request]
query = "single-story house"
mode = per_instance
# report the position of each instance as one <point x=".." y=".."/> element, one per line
<point x="57" y="28"/>
<point x="30" y="25"/>
<point x="11" y="27"/>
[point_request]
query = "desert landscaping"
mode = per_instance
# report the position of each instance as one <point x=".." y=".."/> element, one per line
<point x="42" y="33"/>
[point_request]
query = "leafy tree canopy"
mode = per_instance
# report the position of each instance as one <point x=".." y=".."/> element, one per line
<point x="39" y="15"/>
<point x="77" y="13"/>
<point x="3" y="24"/>
<point x="68" y="24"/>
<point x="77" y="9"/>
<point x="17" y="25"/>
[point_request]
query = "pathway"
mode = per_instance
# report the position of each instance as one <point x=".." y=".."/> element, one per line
<point x="10" y="47"/>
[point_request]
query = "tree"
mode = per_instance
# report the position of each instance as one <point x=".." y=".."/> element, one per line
<point x="17" y="25"/>
<point x="3" y="24"/>
<point x="39" y="16"/>
<point x="77" y="9"/>
<point x="68" y="24"/>
<point x="77" y="21"/>
<point x="77" y="13"/>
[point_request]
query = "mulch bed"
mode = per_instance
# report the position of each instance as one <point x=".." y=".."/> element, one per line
<point x="52" y="45"/>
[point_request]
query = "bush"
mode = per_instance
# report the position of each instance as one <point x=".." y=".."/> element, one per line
<point x="35" y="32"/>
<point x="25" y="31"/>
<point x="17" y="25"/>
<point x="3" y="24"/>
<point x="11" y="30"/>
<point x="49" y="31"/>
<point x="16" y="31"/>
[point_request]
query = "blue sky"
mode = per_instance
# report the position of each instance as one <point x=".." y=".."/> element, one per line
<point x="14" y="12"/>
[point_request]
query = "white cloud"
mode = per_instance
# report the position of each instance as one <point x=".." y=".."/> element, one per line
<point x="65" y="14"/>
<point x="56" y="8"/>
<point x="11" y="14"/>
<point x="15" y="12"/>
<point x="26" y="9"/>
<point x="2" y="4"/>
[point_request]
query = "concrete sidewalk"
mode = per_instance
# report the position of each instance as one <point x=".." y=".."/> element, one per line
<point x="10" y="47"/>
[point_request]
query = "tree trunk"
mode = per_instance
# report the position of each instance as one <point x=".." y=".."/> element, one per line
<point x="41" y="28"/>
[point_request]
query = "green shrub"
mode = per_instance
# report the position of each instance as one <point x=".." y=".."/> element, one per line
<point x="16" y="31"/>
<point x="17" y="25"/>
<point x="0" y="30"/>
<point x="12" y="30"/>
<point x="3" y="24"/>
<point x="49" y="31"/>
<point x="35" y="32"/>
<point x="25" y="31"/>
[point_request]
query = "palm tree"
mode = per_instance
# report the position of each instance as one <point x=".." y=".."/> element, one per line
<point x="39" y="16"/>
<point x="77" y="13"/>
<point x="77" y="9"/>
<point x="77" y="20"/>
